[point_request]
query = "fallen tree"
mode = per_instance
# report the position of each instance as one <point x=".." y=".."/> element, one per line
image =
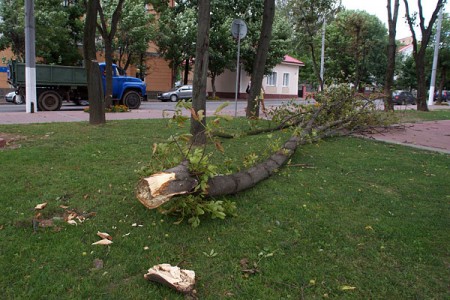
<point x="336" y="113"/>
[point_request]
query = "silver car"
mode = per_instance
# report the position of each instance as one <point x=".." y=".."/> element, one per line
<point x="12" y="97"/>
<point x="175" y="94"/>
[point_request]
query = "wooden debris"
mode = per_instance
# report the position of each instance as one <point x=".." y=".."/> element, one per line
<point x="104" y="242"/>
<point x="178" y="279"/>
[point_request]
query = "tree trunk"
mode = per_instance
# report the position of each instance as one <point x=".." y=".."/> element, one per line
<point x="441" y="84"/>
<point x="186" y="71"/>
<point x="201" y="73"/>
<point x="419" y="50"/>
<point x="260" y="60"/>
<point x="421" y="83"/>
<point x="108" y="72"/>
<point x="108" y="36"/>
<point x="213" y="85"/>
<point x="315" y="67"/>
<point x="95" y="89"/>
<point x="391" y="52"/>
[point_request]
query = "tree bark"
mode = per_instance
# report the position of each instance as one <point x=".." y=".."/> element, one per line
<point x="95" y="89"/>
<point x="391" y="52"/>
<point x="186" y="71"/>
<point x="441" y="84"/>
<point x="260" y="60"/>
<point x="201" y="73"/>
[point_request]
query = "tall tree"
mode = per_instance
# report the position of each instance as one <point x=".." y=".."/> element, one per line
<point x="419" y="49"/>
<point x="356" y="44"/>
<point x="201" y="73"/>
<point x="134" y="32"/>
<point x="108" y="33"/>
<point x="392" y="11"/>
<point x="308" y="17"/>
<point x="177" y="29"/>
<point x="95" y="88"/>
<point x="260" y="59"/>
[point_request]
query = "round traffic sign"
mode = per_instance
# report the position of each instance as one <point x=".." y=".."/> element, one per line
<point x="238" y="29"/>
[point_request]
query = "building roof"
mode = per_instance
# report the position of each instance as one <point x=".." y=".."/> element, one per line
<point x="290" y="60"/>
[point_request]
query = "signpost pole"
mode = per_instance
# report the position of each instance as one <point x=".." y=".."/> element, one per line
<point x="237" y="69"/>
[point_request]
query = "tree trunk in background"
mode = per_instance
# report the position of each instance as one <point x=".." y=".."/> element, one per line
<point x="186" y="71"/>
<point x="108" y="37"/>
<point x="201" y="73"/>
<point x="95" y="89"/>
<point x="419" y="48"/>
<point x="421" y="82"/>
<point x="441" y="84"/>
<point x="213" y="86"/>
<point x="260" y="60"/>
<point x="108" y="72"/>
<point x="391" y="52"/>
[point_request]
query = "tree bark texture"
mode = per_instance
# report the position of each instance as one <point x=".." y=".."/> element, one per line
<point x="391" y="52"/>
<point x="95" y="89"/>
<point x="260" y="60"/>
<point x="201" y="72"/>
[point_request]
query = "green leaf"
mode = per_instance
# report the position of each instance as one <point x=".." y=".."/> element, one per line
<point x="221" y="106"/>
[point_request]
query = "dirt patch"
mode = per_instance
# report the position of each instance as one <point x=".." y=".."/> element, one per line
<point x="10" y="141"/>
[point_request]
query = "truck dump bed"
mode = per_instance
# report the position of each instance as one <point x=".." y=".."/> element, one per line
<point x="49" y="75"/>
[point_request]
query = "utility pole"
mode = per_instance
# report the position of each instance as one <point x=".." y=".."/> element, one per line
<point x="435" y="58"/>
<point x="30" y="58"/>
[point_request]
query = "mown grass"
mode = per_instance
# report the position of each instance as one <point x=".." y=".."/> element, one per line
<point x="348" y="218"/>
<point x="417" y="116"/>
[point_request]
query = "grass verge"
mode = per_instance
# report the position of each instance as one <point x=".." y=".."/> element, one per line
<point x="347" y="219"/>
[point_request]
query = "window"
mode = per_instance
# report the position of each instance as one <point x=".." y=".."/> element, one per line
<point x="272" y="79"/>
<point x="285" y="79"/>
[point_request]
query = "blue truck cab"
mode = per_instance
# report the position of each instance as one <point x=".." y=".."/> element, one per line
<point x="127" y="90"/>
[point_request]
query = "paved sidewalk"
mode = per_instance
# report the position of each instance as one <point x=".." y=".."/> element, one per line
<point x="431" y="135"/>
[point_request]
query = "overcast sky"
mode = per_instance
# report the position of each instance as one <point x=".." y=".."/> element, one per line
<point x="378" y="8"/>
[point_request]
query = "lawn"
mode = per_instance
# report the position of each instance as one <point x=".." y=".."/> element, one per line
<point x="348" y="218"/>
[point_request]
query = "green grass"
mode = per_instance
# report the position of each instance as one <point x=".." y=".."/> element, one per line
<point x="363" y="214"/>
<point x="418" y="116"/>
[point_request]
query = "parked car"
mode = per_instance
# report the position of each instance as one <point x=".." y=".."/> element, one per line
<point x="445" y="95"/>
<point x="12" y="98"/>
<point x="175" y="94"/>
<point x="403" y="97"/>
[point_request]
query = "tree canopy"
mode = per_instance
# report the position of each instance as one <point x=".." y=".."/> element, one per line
<point x="356" y="48"/>
<point x="58" y="30"/>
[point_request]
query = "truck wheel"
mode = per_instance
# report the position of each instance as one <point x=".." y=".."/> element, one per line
<point x="132" y="99"/>
<point x="49" y="100"/>
<point x="173" y="98"/>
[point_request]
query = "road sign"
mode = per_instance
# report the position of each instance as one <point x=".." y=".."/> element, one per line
<point x="238" y="29"/>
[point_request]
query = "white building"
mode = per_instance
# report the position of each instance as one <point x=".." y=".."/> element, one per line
<point x="281" y="83"/>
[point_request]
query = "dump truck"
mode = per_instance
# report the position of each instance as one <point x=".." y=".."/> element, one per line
<point x="55" y="84"/>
